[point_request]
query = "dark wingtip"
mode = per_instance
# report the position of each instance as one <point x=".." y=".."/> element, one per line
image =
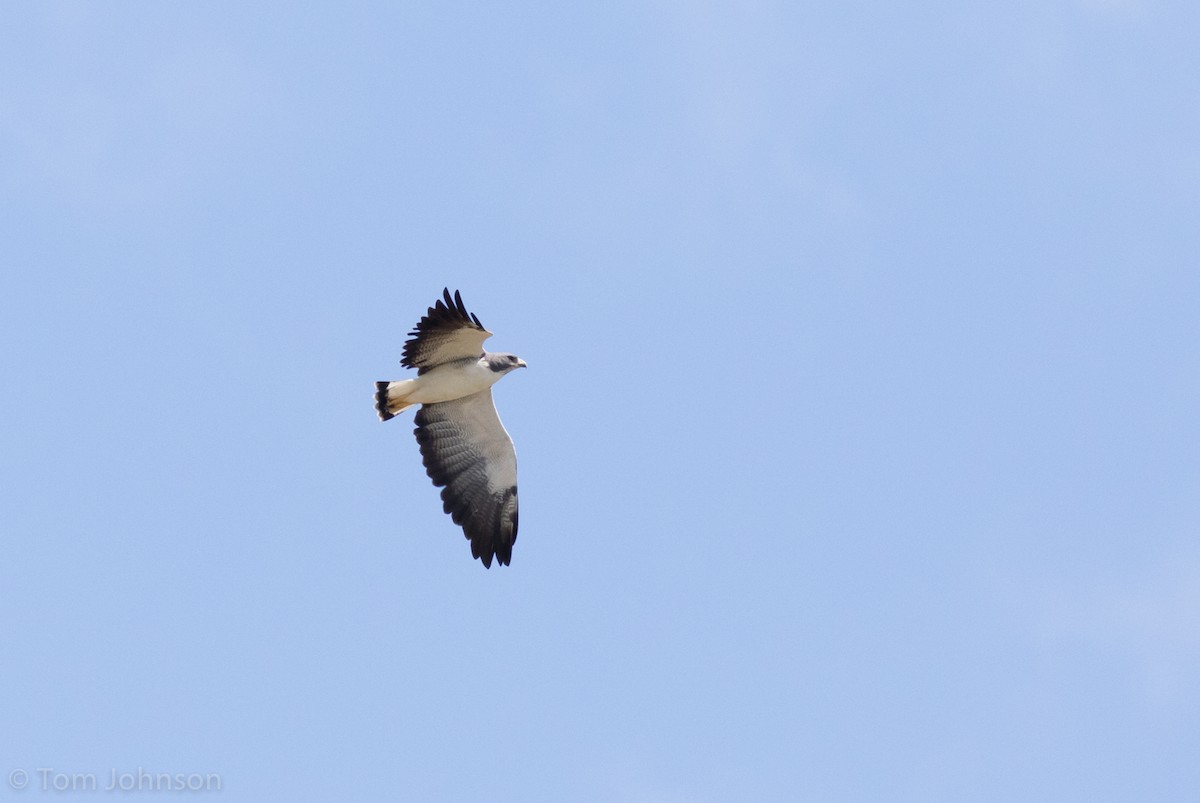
<point x="381" y="401"/>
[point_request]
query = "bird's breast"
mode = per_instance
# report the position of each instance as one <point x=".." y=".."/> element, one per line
<point x="452" y="381"/>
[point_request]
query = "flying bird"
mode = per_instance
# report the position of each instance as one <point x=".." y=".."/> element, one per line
<point x="466" y="450"/>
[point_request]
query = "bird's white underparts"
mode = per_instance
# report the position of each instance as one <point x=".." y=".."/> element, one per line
<point x="444" y="383"/>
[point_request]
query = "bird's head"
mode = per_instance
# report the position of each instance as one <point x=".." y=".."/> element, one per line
<point x="503" y="363"/>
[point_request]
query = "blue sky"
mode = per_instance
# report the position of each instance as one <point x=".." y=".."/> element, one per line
<point x="858" y="447"/>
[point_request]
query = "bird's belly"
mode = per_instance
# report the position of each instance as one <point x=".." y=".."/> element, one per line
<point x="449" y="382"/>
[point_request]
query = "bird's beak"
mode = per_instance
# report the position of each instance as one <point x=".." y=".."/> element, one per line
<point x="521" y="364"/>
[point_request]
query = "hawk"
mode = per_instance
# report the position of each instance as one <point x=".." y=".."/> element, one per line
<point x="466" y="450"/>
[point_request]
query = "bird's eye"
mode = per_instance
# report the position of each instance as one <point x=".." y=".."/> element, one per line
<point x="512" y="358"/>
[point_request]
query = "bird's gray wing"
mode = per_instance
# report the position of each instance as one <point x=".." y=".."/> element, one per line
<point x="468" y="453"/>
<point x="447" y="333"/>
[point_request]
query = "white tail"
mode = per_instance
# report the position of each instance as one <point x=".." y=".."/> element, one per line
<point x="389" y="397"/>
